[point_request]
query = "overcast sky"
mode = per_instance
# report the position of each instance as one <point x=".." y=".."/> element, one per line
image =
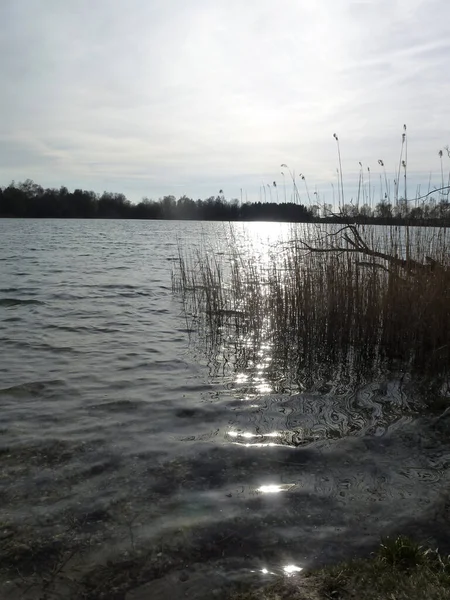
<point x="155" y="97"/>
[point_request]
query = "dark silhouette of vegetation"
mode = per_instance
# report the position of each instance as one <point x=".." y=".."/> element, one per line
<point x="28" y="199"/>
<point x="329" y="300"/>
<point x="422" y="211"/>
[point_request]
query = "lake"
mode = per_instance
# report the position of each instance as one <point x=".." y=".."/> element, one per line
<point x="139" y="459"/>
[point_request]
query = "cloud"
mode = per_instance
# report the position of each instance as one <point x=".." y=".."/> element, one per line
<point x="155" y="97"/>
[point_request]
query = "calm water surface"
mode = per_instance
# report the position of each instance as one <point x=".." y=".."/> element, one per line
<point x="121" y="440"/>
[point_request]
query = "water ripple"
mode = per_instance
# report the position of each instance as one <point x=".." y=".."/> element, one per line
<point x="10" y="302"/>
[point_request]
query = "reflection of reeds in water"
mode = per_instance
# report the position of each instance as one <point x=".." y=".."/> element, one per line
<point x="354" y="298"/>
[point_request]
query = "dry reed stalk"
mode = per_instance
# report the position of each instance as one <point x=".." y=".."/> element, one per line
<point x="322" y="301"/>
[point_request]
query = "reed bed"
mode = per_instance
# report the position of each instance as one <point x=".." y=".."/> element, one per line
<point x="329" y="299"/>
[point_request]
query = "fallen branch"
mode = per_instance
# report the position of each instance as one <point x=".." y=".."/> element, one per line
<point x="357" y="245"/>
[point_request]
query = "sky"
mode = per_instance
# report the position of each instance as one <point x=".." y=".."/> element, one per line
<point x="157" y="97"/>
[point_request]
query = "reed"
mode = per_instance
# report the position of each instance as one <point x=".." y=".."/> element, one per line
<point x="348" y="299"/>
<point x="354" y="298"/>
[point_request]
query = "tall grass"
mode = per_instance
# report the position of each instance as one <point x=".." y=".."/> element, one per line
<point x="332" y="299"/>
<point x="323" y="303"/>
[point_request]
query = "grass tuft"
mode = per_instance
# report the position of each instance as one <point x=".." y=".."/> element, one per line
<point x="400" y="570"/>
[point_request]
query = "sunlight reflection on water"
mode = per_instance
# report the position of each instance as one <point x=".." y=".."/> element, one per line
<point x="275" y="489"/>
<point x="288" y="570"/>
<point x="255" y="436"/>
<point x="291" y="569"/>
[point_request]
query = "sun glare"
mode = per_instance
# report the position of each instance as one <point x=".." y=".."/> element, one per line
<point x="291" y="569"/>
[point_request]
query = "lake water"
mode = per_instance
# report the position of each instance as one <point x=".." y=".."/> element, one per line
<point x="132" y="458"/>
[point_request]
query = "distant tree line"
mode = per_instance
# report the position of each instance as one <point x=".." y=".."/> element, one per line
<point x="28" y="199"/>
<point x="428" y="211"/>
